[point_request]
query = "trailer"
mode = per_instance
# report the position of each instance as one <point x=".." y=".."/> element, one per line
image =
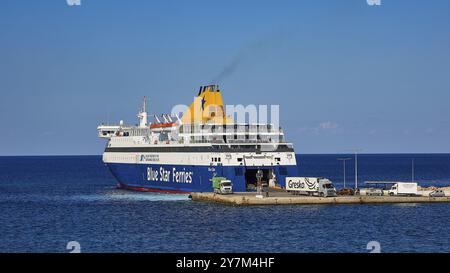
<point x="312" y="186"/>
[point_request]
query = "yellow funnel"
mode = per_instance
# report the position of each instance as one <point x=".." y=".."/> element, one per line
<point x="207" y="108"/>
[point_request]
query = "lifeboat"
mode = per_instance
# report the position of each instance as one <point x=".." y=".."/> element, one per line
<point x="162" y="125"/>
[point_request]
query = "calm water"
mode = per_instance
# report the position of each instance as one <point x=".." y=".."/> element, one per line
<point x="46" y="202"/>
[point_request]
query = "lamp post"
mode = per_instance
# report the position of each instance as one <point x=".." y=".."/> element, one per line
<point x="343" y="161"/>
<point x="356" y="166"/>
<point x="356" y="170"/>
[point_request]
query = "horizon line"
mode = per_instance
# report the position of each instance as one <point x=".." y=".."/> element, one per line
<point x="388" y="153"/>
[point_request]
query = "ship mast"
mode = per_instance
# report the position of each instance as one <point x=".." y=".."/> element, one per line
<point x="143" y="115"/>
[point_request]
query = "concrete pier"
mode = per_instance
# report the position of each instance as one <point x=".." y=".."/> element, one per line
<point x="283" y="198"/>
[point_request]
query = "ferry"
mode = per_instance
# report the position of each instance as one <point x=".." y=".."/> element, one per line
<point x="176" y="154"/>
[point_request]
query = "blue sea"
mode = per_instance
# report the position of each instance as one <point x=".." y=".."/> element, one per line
<point x="45" y="202"/>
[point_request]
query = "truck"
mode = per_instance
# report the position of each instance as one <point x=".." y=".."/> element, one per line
<point x="403" y="188"/>
<point x="221" y="185"/>
<point x="312" y="186"/>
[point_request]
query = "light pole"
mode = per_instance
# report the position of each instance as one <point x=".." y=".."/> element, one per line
<point x="356" y="166"/>
<point x="343" y="161"/>
<point x="412" y="170"/>
<point x="356" y="170"/>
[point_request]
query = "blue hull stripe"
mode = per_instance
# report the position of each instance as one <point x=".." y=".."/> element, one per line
<point x="187" y="178"/>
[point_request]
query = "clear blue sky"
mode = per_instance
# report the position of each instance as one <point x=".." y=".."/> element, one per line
<point x="345" y="74"/>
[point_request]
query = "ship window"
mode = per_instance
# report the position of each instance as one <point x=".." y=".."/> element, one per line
<point x="239" y="159"/>
<point x="218" y="159"/>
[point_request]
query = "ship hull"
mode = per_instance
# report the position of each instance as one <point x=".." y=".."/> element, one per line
<point x="190" y="178"/>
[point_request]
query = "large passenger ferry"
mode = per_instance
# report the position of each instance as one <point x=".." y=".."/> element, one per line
<point x="182" y="154"/>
